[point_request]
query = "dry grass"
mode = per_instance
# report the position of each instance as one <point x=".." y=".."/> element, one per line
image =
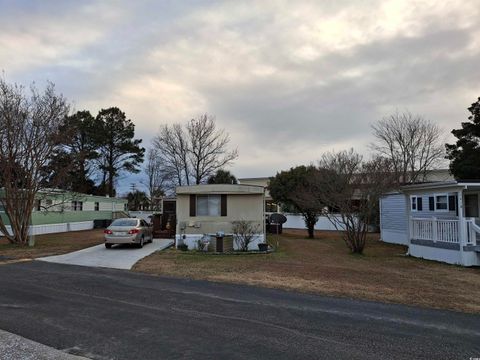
<point x="325" y="266"/>
<point x="51" y="244"/>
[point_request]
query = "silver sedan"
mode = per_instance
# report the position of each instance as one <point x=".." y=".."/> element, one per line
<point x="128" y="231"/>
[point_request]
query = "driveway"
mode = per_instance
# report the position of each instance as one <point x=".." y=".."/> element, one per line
<point x="117" y="314"/>
<point x="118" y="257"/>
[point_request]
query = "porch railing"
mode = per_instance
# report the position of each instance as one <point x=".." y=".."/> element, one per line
<point x="434" y="229"/>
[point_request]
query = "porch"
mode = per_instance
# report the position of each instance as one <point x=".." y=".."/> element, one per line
<point x="443" y="222"/>
<point x="446" y="233"/>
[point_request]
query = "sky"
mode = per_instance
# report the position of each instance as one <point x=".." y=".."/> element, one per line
<point x="288" y="80"/>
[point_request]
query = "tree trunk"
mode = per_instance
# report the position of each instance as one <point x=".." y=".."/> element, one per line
<point x="310" y="221"/>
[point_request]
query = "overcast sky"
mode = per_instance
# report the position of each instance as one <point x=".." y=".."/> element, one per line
<point x="287" y="79"/>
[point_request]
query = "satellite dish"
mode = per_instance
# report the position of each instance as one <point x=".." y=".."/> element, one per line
<point x="277" y="218"/>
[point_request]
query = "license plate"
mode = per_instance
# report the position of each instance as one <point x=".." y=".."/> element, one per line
<point x="118" y="233"/>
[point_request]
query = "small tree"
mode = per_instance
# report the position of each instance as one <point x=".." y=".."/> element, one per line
<point x="293" y="189"/>
<point x="138" y="200"/>
<point x="464" y="155"/>
<point x="350" y="189"/>
<point x="412" y="143"/>
<point x="244" y="233"/>
<point x="29" y="135"/>
<point x="222" y="177"/>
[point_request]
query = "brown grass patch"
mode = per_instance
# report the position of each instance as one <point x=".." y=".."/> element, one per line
<point x="51" y="244"/>
<point x="325" y="266"/>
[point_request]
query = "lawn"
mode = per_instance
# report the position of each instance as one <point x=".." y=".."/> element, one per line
<point x="51" y="244"/>
<point x="324" y="266"/>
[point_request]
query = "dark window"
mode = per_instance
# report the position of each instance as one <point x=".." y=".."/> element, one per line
<point x="431" y="203"/>
<point x="39" y="205"/>
<point x="97" y="206"/>
<point x="270" y="206"/>
<point x="419" y="204"/>
<point x="77" y="205"/>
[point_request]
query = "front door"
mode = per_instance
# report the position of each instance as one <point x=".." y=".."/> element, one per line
<point x="471" y="205"/>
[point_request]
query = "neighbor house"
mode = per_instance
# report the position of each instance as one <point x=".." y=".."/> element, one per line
<point x="60" y="211"/>
<point x="208" y="210"/>
<point x="437" y="221"/>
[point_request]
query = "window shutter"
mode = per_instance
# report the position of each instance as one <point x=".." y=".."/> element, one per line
<point x="419" y="204"/>
<point x="193" y="205"/>
<point x="452" y="203"/>
<point x="223" y="205"/>
<point x="431" y="203"/>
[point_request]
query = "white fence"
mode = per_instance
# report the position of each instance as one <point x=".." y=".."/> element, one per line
<point x="295" y="221"/>
<point x="57" y="228"/>
<point x="434" y="229"/>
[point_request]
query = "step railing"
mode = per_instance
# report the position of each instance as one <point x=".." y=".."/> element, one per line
<point x="473" y="232"/>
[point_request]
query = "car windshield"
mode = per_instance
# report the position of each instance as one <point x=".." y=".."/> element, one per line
<point x="124" y="222"/>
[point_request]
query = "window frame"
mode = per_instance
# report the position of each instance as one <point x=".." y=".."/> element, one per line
<point x="412" y="202"/>
<point x="208" y="196"/>
<point x="435" y="196"/>
<point x="77" y="205"/>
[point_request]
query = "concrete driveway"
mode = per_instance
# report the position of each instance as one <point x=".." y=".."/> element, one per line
<point x="118" y="257"/>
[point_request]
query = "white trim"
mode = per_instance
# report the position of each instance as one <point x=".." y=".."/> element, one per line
<point x="435" y="202"/>
<point x="416" y="203"/>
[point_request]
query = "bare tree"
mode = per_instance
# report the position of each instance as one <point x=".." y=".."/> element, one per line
<point x="29" y="134"/>
<point x="155" y="178"/>
<point x="349" y="189"/>
<point x="171" y="147"/>
<point x="190" y="154"/>
<point x="413" y="144"/>
<point x="207" y="148"/>
<point x="244" y="232"/>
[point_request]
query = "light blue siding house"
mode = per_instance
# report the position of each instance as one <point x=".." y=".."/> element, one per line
<point x="437" y="221"/>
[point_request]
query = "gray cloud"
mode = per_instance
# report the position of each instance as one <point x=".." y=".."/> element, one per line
<point x="288" y="80"/>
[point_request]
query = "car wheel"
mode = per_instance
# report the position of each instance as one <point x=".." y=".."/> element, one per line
<point x="108" y="246"/>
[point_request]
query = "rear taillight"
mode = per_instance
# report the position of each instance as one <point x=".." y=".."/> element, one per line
<point x="134" y="231"/>
<point x="109" y="232"/>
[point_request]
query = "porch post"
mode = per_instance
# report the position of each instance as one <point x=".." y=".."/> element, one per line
<point x="462" y="233"/>
<point x="409" y="222"/>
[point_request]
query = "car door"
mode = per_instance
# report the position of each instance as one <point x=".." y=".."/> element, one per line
<point x="145" y="229"/>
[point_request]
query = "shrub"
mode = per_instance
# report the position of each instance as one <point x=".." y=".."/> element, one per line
<point x="183" y="247"/>
<point x="244" y="232"/>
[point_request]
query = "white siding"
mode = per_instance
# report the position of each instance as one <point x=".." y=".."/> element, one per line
<point x="393" y="219"/>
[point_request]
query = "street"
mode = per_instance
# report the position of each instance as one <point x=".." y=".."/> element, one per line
<point x="117" y="314"/>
